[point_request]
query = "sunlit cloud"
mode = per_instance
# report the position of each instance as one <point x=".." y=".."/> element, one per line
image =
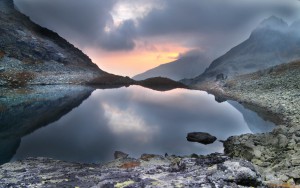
<point x="132" y="10"/>
<point x="127" y="121"/>
<point x="142" y="58"/>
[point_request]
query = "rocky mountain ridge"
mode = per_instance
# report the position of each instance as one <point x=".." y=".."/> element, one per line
<point x="272" y="43"/>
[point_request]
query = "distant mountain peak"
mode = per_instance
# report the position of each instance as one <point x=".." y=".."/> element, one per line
<point x="188" y="65"/>
<point x="273" y="22"/>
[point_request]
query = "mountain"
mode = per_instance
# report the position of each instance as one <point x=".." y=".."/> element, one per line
<point x="272" y="43"/>
<point x="33" y="55"/>
<point x="187" y="66"/>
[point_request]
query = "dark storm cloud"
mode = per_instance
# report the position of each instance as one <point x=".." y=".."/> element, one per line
<point x="80" y="21"/>
<point x="85" y="22"/>
<point x="120" y="38"/>
<point x="208" y="16"/>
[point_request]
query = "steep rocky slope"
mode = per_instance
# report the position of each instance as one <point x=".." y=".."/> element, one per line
<point x="30" y="54"/>
<point x="275" y="93"/>
<point x="272" y="43"/>
<point x="188" y="66"/>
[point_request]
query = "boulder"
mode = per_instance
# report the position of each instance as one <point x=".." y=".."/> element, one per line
<point x="120" y="155"/>
<point x="201" y="137"/>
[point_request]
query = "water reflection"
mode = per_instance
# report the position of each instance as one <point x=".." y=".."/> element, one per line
<point x="254" y="122"/>
<point x="24" y="110"/>
<point x="135" y="120"/>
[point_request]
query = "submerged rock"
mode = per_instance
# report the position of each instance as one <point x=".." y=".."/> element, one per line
<point x="201" y="137"/>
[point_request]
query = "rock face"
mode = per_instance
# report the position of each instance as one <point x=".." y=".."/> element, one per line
<point x="188" y="66"/>
<point x="272" y="43"/>
<point x="203" y="138"/>
<point x="30" y="54"/>
<point x="215" y="170"/>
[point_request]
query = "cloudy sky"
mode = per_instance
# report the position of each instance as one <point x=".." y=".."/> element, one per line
<point x="127" y="37"/>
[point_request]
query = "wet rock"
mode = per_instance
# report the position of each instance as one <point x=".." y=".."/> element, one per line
<point x="201" y="137"/>
<point x="120" y="155"/>
<point x="220" y="99"/>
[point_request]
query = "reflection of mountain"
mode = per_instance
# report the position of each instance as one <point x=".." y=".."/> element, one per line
<point x="24" y="110"/>
<point x="187" y="66"/>
<point x="8" y="148"/>
<point x="254" y="122"/>
<point x="273" y="42"/>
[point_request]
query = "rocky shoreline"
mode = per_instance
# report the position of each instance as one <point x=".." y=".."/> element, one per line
<point x="215" y="170"/>
<point x="275" y="93"/>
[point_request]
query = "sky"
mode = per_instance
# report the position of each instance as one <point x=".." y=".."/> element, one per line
<point x="127" y="37"/>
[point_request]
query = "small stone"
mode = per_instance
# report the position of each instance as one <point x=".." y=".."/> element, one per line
<point x="282" y="140"/>
<point x="257" y="153"/>
<point x="295" y="161"/>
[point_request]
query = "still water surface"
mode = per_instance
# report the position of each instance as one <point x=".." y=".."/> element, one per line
<point x="137" y="120"/>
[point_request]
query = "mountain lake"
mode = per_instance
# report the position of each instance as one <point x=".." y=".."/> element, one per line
<point x="133" y="119"/>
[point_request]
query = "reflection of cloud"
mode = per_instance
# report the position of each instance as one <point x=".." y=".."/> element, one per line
<point x="126" y="121"/>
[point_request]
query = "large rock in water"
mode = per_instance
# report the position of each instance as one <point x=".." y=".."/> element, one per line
<point x="203" y="138"/>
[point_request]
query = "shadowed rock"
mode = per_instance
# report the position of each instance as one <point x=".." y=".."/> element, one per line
<point x="203" y="138"/>
<point x="120" y="155"/>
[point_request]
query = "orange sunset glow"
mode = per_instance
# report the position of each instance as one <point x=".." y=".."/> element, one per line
<point x="137" y="61"/>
